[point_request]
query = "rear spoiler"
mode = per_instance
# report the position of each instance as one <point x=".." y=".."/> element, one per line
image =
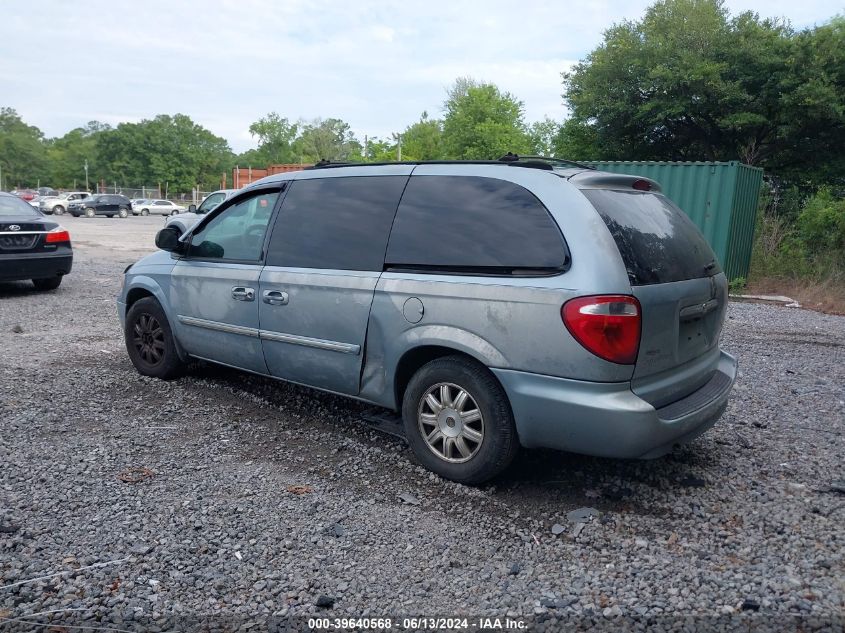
<point x="608" y="180"/>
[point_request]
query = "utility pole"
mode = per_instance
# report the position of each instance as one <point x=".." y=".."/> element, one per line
<point x="86" y="175"/>
<point x="398" y="138"/>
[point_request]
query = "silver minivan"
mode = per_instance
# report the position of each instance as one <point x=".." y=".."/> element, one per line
<point x="494" y="305"/>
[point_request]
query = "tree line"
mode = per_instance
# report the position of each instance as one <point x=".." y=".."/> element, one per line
<point x="480" y="121"/>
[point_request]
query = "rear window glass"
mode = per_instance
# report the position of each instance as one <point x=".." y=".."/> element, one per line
<point x="463" y="224"/>
<point x="657" y="241"/>
<point x="14" y="206"/>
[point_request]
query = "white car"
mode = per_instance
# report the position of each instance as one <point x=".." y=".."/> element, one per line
<point x="161" y="207"/>
<point x="57" y="205"/>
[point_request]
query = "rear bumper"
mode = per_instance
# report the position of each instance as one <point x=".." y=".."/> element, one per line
<point x="608" y="419"/>
<point x="34" y="266"/>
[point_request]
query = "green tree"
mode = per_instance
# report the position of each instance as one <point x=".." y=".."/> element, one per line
<point x="380" y="151"/>
<point x="481" y="122"/>
<point x="423" y="140"/>
<point x="326" y="139"/>
<point x="67" y="156"/>
<point x="690" y="82"/>
<point x="276" y="136"/>
<point x="577" y="141"/>
<point x="171" y="150"/>
<point x="814" y="120"/>
<point x="543" y="135"/>
<point x="22" y="158"/>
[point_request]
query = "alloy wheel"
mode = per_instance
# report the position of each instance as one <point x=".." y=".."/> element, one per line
<point x="450" y="422"/>
<point x="148" y="338"/>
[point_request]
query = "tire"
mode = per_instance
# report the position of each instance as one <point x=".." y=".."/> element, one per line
<point x="90" y="213"/>
<point x="123" y="213"/>
<point x="149" y="341"/>
<point x="470" y="461"/>
<point x="50" y="283"/>
<point x="58" y="210"/>
<point x="145" y="211"/>
<point x="174" y="212"/>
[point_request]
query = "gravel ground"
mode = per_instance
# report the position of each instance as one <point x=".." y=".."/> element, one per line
<point x="265" y="499"/>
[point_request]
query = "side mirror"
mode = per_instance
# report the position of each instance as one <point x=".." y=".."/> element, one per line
<point x="167" y="239"/>
<point x="192" y="208"/>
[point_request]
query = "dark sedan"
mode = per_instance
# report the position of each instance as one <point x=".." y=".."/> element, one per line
<point x="31" y="245"/>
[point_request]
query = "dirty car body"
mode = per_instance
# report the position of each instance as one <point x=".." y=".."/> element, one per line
<point x="572" y="309"/>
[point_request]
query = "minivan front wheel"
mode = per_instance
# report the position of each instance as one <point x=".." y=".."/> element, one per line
<point x="458" y="420"/>
<point x="149" y="341"/>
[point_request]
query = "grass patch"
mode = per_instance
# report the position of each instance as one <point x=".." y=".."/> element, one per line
<point x="799" y="249"/>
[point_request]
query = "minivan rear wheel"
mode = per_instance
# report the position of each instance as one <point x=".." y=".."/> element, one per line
<point x="458" y="420"/>
<point x="150" y="342"/>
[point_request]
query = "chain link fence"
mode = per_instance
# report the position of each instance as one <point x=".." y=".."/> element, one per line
<point x="195" y="196"/>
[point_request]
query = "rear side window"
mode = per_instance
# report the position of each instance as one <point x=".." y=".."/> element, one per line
<point x="336" y="223"/>
<point x="462" y="224"/>
<point x="658" y="242"/>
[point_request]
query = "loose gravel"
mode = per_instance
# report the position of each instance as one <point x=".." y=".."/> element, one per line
<point x="262" y="499"/>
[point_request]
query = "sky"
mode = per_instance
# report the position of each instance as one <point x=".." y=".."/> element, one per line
<point x="375" y="64"/>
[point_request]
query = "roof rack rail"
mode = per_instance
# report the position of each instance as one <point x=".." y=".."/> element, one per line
<point x="511" y="157"/>
<point x="325" y="162"/>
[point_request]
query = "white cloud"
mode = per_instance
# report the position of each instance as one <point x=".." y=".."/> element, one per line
<point x="383" y="33"/>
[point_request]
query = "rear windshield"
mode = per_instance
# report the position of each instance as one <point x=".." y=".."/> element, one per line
<point x="11" y="206"/>
<point x="658" y="242"/>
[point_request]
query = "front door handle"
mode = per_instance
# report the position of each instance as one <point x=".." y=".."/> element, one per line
<point x="275" y="297"/>
<point x="242" y="293"/>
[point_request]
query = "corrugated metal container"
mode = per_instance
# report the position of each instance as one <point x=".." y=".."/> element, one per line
<point x="721" y="198"/>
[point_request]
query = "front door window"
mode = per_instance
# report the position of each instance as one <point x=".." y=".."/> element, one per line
<point x="237" y="234"/>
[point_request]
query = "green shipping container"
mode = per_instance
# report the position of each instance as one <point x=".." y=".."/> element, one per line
<point x="721" y="198"/>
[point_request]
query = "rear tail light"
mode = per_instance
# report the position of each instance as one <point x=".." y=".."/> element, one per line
<point x="57" y="236"/>
<point x="642" y="185"/>
<point x="606" y="325"/>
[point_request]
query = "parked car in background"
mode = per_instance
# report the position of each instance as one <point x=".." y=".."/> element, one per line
<point x="107" y="204"/>
<point x="533" y="302"/>
<point x="32" y="246"/>
<point x="26" y="195"/>
<point x="46" y="191"/>
<point x="159" y="207"/>
<point x="184" y="221"/>
<point x="137" y="203"/>
<point x="58" y="204"/>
